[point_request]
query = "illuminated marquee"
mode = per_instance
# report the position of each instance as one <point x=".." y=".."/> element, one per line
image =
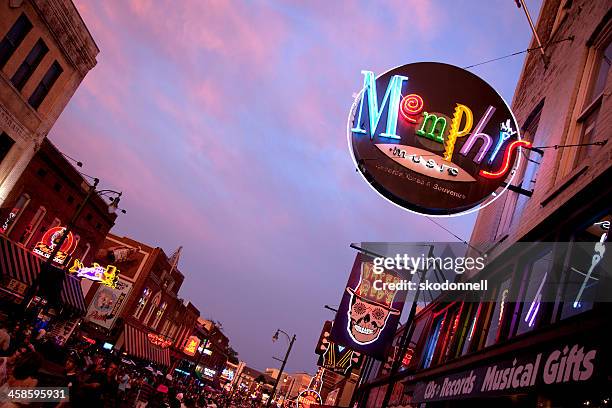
<point x="191" y="346"/>
<point x="159" y="341"/>
<point x="439" y="141"/>
<point x="307" y="398"/>
<point x="105" y="275"/>
<point x="50" y="239"/>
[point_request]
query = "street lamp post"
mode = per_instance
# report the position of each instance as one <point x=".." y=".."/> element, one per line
<point x="92" y="190"/>
<point x="280" y="373"/>
<point x="71" y="224"/>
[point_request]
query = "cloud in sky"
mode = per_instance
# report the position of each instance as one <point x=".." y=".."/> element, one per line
<point x="224" y="124"/>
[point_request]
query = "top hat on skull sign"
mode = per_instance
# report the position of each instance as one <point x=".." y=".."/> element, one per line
<point x="366" y="291"/>
<point x="370" y="307"/>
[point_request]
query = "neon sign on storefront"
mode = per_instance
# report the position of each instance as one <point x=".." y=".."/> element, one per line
<point x="440" y="141"/>
<point x="49" y="240"/>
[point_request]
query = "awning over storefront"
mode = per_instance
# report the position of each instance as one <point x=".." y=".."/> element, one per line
<point x="137" y="344"/>
<point x="18" y="263"/>
<point x="72" y="294"/>
<point x="20" y="268"/>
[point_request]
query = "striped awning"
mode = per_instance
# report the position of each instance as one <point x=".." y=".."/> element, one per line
<point x="72" y="294"/>
<point x="20" y="264"/>
<point x="17" y="262"/>
<point x="138" y="345"/>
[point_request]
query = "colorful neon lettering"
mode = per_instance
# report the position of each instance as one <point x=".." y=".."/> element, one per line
<point x="454" y="132"/>
<point x="392" y="95"/>
<point x="106" y="276"/>
<point x="410" y="106"/>
<point x="434" y="125"/>
<point x="477" y="134"/>
<point x="506" y="162"/>
<point x="598" y="254"/>
<point x="504" y="134"/>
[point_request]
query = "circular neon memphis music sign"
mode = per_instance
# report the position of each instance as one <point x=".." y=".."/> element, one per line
<point x="433" y="138"/>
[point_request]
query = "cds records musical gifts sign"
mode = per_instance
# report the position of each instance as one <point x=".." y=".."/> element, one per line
<point x="433" y="138"/>
<point x="368" y="315"/>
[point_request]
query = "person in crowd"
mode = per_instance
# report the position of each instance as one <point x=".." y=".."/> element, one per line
<point x="5" y="339"/>
<point x="145" y="391"/>
<point x="124" y="386"/>
<point x="25" y="375"/>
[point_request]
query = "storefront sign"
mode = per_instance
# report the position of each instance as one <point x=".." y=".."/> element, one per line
<point x="334" y="357"/>
<point x="49" y="240"/>
<point x="105" y="275"/>
<point x="572" y="363"/>
<point x="307" y="398"/>
<point x="367" y="317"/>
<point x="159" y="341"/>
<point x="108" y="303"/>
<point x="191" y="346"/>
<point x="433" y="138"/>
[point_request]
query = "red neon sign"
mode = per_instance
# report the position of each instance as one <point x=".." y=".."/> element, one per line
<point x="50" y="239"/>
<point x="506" y="162"/>
<point x="410" y="106"/>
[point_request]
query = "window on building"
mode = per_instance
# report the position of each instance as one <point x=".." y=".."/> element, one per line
<point x="499" y="312"/>
<point x="13" y="39"/>
<point x="29" y="64"/>
<point x="589" y="130"/>
<point x="165" y="327"/>
<point x="449" y="338"/>
<point x="154" y="304"/>
<point x="537" y="275"/>
<point x="6" y="143"/>
<point x="432" y="342"/>
<point x="32" y="226"/>
<point x="142" y="302"/>
<point x="12" y="217"/>
<point x="85" y="252"/>
<point x="159" y="314"/>
<point x="585" y="267"/>
<point x="470" y="327"/>
<point x="57" y="187"/>
<point x="45" y="85"/>
<point x="41" y="173"/>
<point x="409" y="359"/>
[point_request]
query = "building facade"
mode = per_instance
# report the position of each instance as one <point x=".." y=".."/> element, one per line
<point x="143" y="314"/>
<point x="45" y="52"/>
<point x="543" y="339"/>
<point x="44" y="199"/>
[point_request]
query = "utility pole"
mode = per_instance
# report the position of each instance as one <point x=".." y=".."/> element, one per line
<point x="280" y="373"/>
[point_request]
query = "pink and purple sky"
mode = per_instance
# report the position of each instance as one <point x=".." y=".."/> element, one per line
<point x="224" y="124"/>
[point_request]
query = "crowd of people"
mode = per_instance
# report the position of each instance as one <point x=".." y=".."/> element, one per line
<point x="95" y="378"/>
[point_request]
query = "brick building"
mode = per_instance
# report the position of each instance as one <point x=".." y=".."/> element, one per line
<point x="43" y="200"/>
<point x="45" y="52"/>
<point x="215" y="352"/>
<point x="543" y="340"/>
<point x="144" y="315"/>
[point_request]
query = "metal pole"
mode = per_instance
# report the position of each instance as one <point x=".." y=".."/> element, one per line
<point x="280" y="373"/>
<point x="535" y="33"/>
<point x="406" y="336"/>
<point x="72" y="222"/>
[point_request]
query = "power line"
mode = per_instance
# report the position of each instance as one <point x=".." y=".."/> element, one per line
<point x="570" y="38"/>
<point x="455" y="235"/>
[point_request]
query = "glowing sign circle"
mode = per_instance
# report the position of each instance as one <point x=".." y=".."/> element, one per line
<point x="439" y="141"/>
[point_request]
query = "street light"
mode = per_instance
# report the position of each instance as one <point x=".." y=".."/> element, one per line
<point x="64" y="235"/>
<point x="280" y="373"/>
<point x="92" y="189"/>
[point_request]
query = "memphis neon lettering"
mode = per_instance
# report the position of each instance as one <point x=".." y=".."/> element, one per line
<point x="434" y="126"/>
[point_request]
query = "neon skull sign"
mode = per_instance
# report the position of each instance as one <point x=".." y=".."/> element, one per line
<point x="369" y="308"/>
<point x="433" y="138"/>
